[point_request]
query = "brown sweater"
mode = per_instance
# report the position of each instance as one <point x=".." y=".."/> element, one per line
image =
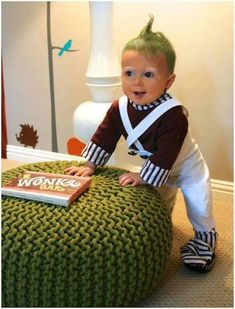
<point x="164" y="138"/>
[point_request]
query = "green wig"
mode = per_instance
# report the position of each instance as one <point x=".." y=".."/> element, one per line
<point x="152" y="44"/>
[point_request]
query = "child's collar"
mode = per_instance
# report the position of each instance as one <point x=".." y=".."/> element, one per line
<point x="163" y="98"/>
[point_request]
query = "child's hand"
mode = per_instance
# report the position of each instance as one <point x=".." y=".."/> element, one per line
<point x="87" y="170"/>
<point x="131" y="178"/>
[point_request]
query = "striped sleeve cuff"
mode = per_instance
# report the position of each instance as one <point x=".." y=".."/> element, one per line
<point x="153" y="174"/>
<point x="95" y="154"/>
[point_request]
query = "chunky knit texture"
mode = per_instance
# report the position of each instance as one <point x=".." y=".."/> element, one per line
<point x="109" y="249"/>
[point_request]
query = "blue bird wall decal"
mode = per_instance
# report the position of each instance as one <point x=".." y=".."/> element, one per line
<point x="65" y="48"/>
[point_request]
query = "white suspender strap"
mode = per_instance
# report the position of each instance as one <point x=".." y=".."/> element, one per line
<point x="124" y="115"/>
<point x="134" y="134"/>
<point x="150" y="119"/>
<point x="127" y="125"/>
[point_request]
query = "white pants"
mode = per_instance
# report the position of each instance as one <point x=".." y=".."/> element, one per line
<point x="192" y="177"/>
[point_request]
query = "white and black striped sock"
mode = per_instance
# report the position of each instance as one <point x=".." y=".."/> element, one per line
<point x="209" y="237"/>
<point x="199" y="252"/>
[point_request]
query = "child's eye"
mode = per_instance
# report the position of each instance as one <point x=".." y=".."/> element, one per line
<point x="148" y="74"/>
<point x="129" y="73"/>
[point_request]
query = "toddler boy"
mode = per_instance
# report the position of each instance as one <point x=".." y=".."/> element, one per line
<point x="155" y="126"/>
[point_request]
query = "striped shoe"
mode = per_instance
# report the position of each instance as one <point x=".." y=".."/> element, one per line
<point x="198" y="254"/>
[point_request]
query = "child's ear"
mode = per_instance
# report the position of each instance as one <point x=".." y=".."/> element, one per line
<point x="170" y="81"/>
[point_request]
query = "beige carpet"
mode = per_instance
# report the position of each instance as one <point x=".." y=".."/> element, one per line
<point x="181" y="287"/>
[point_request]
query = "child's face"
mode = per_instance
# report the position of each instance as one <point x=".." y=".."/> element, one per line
<point x="144" y="79"/>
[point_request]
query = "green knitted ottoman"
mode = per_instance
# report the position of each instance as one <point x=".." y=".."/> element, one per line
<point x="109" y="249"/>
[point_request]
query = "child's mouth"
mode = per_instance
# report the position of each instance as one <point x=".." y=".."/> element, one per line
<point x="139" y="94"/>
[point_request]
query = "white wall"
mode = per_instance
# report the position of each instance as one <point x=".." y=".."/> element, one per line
<point x="26" y="72"/>
<point x="201" y="33"/>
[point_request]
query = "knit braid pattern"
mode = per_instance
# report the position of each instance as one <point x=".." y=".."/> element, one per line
<point x="108" y="249"/>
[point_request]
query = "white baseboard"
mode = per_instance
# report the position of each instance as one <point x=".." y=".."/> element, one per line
<point x="222" y="186"/>
<point x="31" y="155"/>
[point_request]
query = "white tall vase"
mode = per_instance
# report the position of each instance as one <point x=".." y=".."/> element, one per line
<point x="103" y="72"/>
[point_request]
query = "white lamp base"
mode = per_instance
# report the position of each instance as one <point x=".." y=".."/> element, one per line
<point x="87" y="117"/>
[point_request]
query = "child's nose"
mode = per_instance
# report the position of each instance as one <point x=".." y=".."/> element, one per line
<point x="138" y="80"/>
